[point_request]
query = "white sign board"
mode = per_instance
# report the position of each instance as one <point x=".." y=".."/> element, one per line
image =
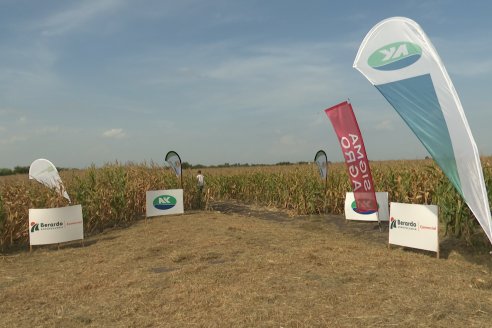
<point x="415" y="226"/>
<point x="164" y="202"/>
<point x="55" y="225"/>
<point x="351" y="212"/>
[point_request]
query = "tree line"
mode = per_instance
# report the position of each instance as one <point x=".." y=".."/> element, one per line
<point x="16" y="170"/>
<point x="184" y="165"/>
<point x="21" y="170"/>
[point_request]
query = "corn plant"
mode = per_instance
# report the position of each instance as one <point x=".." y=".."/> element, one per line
<point x="114" y="194"/>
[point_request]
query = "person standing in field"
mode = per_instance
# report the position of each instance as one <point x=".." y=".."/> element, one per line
<point x="200" y="179"/>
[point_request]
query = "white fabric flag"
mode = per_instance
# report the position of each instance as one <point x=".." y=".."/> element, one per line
<point x="46" y="173"/>
<point x="398" y="58"/>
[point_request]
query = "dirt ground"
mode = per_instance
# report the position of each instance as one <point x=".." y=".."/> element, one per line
<point x="244" y="266"/>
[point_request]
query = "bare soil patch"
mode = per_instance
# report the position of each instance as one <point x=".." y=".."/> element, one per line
<point x="245" y="266"/>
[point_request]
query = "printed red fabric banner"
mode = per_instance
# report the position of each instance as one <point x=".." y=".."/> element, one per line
<point x="343" y="120"/>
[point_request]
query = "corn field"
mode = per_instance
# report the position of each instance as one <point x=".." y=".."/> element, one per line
<point x="114" y="195"/>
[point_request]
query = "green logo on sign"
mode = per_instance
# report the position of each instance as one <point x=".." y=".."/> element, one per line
<point x="356" y="210"/>
<point x="164" y="202"/>
<point x="395" y="56"/>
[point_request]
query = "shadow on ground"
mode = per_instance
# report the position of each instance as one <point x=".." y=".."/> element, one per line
<point x="368" y="231"/>
<point x="310" y="222"/>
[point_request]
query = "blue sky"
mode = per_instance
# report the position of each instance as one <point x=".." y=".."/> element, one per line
<point x="218" y="81"/>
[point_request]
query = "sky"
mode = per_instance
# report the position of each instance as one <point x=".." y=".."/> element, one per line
<point x="217" y="81"/>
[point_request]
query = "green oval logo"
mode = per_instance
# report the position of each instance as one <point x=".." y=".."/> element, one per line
<point x="395" y="56"/>
<point x="164" y="202"/>
<point x="356" y="210"/>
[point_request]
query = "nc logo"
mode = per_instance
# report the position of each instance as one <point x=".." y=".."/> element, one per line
<point x="164" y="202"/>
<point x="356" y="210"/>
<point x="395" y="56"/>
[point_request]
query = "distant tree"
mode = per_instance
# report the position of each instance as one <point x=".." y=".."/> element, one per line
<point x="186" y="165"/>
<point x="21" y="169"/>
<point x="284" y="163"/>
<point x="6" y="172"/>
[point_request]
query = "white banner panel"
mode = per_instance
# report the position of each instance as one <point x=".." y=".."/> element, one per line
<point x="351" y="212"/>
<point x="55" y="225"/>
<point x="415" y="226"/>
<point x="164" y="202"/>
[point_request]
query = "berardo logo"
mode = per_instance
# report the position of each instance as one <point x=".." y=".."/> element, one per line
<point x="46" y="226"/>
<point x="400" y="224"/>
<point x="34" y="226"/>
<point x="356" y="210"/>
<point x="164" y="202"/>
<point x="395" y="56"/>
<point x="392" y="223"/>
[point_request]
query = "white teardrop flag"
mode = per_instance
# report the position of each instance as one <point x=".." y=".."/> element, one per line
<point x="322" y="160"/>
<point x="398" y="58"/>
<point x="46" y="173"/>
<point x="174" y="160"/>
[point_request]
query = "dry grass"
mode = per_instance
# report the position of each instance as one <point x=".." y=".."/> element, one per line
<point x="211" y="269"/>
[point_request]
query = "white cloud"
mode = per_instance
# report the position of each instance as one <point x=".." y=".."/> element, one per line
<point x="12" y="139"/>
<point x="114" y="134"/>
<point x="465" y="57"/>
<point x="48" y="130"/>
<point x="74" y="18"/>
<point x="274" y="79"/>
<point x="288" y="144"/>
<point x="9" y="111"/>
<point x="385" y="125"/>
